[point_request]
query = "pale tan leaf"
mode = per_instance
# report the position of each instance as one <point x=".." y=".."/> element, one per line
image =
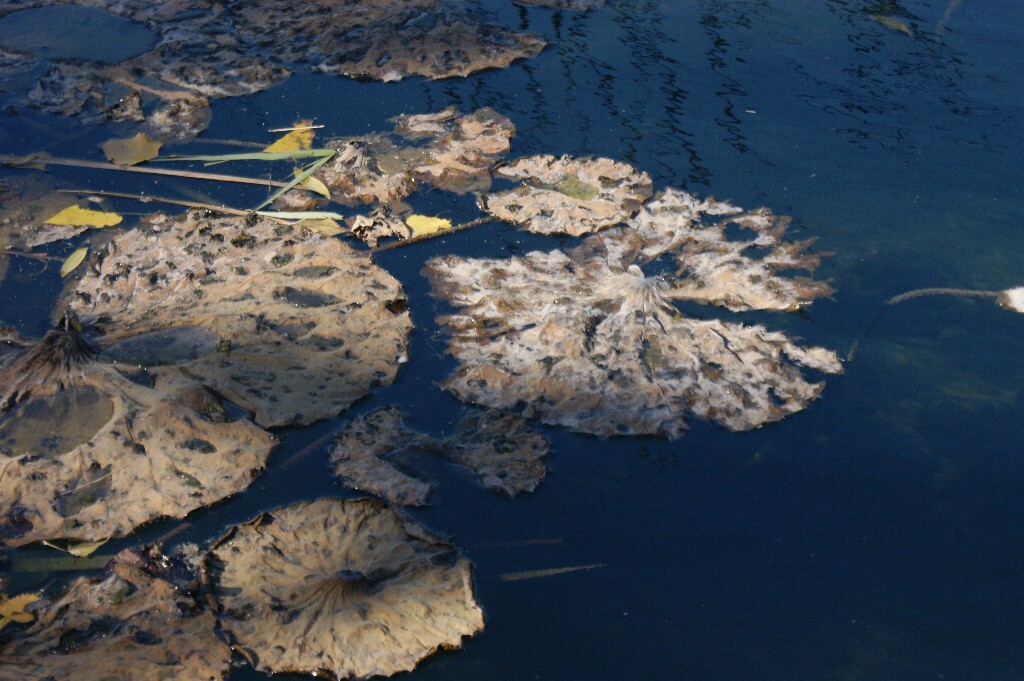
<point x="73" y="261"/>
<point x="132" y="151"/>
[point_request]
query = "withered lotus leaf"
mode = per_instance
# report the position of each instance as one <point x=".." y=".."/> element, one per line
<point x="383" y="39"/>
<point x="130" y="624"/>
<point x="91" y="451"/>
<point x="503" y="450"/>
<point x="117" y="416"/>
<point x="349" y="589"/>
<point x="285" y="323"/>
<point x="506" y="454"/>
<point x="360" y="457"/>
<point x="568" y="195"/>
<point x="587" y="340"/>
<point x="379" y="225"/>
<point x="734" y="260"/>
<point x="446" y="149"/>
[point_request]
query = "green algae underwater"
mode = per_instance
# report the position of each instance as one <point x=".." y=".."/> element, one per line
<point x="871" y="533"/>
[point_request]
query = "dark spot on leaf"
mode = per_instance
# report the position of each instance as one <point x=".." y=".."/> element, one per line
<point x="199" y="445"/>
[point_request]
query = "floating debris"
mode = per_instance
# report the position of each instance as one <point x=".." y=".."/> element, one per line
<point x="567" y="195"/>
<point x="348" y="589"/>
<point x="578" y="5"/>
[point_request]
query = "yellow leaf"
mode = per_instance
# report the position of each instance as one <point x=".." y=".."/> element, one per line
<point x="315" y="185"/>
<point x="13" y="609"/>
<point x="424" y="225"/>
<point x="73" y="261"/>
<point x="325" y="226"/>
<point x="892" y="24"/>
<point x="296" y="140"/>
<point x="129" y="152"/>
<point x="83" y="217"/>
<point x="86" y="548"/>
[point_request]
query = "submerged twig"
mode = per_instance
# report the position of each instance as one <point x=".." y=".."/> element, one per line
<point x="550" y="572"/>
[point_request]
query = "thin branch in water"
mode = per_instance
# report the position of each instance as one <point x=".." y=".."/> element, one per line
<point x="550" y="572"/>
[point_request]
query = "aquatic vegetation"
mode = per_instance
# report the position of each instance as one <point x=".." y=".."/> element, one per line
<point x="502" y="450"/>
<point x="349" y="589"/>
<point x="586" y="340"/>
<point x="132" y="622"/>
<point x="568" y="195"/>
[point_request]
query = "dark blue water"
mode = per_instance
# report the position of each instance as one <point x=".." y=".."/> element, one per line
<point x="877" y="535"/>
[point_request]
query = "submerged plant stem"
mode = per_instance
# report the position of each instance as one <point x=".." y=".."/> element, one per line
<point x="30" y="161"/>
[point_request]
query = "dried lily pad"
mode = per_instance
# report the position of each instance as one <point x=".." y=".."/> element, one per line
<point x="383" y="39"/>
<point x="451" y="151"/>
<point x="569" y="196"/>
<point x="89" y="451"/>
<point x="461" y="149"/>
<point x="735" y="261"/>
<point x="115" y="418"/>
<point x="502" y="450"/>
<point x="588" y="341"/>
<point x="132" y="624"/>
<point x="361" y="452"/>
<point x="348" y="589"/>
<point x="288" y="325"/>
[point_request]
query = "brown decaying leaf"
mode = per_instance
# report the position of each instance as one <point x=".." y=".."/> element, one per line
<point x="349" y="589"/>
<point x="130" y="624"/>
<point x="115" y="417"/>
<point x="379" y="225"/>
<point x="240" y="48"/>
<point x="588" y="341"/>
<point x="502" y="450"/>
<point x="568" y="195"/>
<point x="730" y="258"/>
<point x="451" y="151"/>
<point x="293" y="326"/>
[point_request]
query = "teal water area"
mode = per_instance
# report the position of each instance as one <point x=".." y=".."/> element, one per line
<point x="879" y="534"/>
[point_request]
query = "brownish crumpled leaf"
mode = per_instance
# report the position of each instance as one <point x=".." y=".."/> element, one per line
<point x="589" y="341"/>
<point x="451" y="151"/>
<point x="116" y="417"/>
<point x="130" y="624"/>
<point x="569" y="196"/>
<point x="383" y="39"/>
<point x="502" y="450"/>
<point x="288" y="325"/>
<point x="349" y="589"/>
<point x="380" y="224"/>
<point x="718" y="266"/>
<point x="131" y="151"/>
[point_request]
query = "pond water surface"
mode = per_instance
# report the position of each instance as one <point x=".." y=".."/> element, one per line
<point x="879" y="534"/>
